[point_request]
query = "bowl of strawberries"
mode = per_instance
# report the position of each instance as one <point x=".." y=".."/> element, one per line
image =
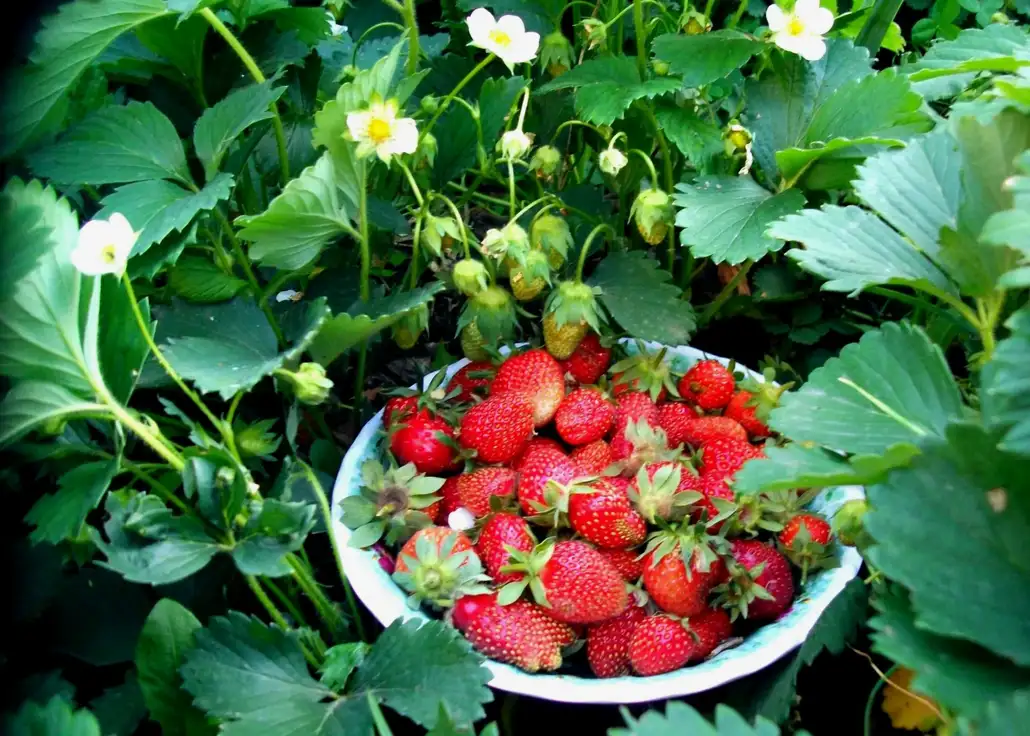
<point x="575" y="520"/>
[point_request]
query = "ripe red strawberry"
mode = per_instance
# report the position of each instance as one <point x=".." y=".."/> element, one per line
<point x="450" y="499"/>
<point x="499" y="532"/>
<point x="584" y="416"/>
<point x="660" y="644"/>
<point x="398" y="408"/>
<point x="657" y="490"/>
<point x="816" y="527"/>
<point x="476" y="488"/>
<point x="498" y="428"/>
<point x="805" y="539"/>
<point x="632" y="406"/>
<point x="608" y="643"/>
<point x="707" y="429"/>
<point x="437" y="536"/>
<point x="521" y="634"/>
<point x="711" y="487"/>
<point x="724" y="456"/>
<point x="472" y="379"/>
<point x="626" y="561"/>
<point x="592" y="459"/>
<point x="774" y="580"/>
<point x="589" y="361"/>
<point x="438" y="565"/>
<point x="666" y="578"/>
<point x="741" y="409"/>
<point x="708" y="384"/>
<point x="576" y="583"/>
<point x="424" y="440"/>
<point x="644" y="372"/>
<point x="543" y="465"/>
<point x="536" y="374"/>
<point x="601" y="513"/>
<point x="710" y="629"/>
<point x="675" y="417"/>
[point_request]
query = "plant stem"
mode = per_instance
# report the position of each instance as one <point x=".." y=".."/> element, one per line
<point x="382" y="727"/>
<point x="275" y="615"/>
<point x="641" y="37"/>
<point x="412" y="23"/>
<point x="366" y="254"/>
<point x="411" y="182"/>
<point x="709" y="6"/>
<point x="511" y="190"/>
<point x="867" y="720"/>
<point x="457" y="218"/>
<point x="586" y="248"/>
<point x="416" y="236"/>
<point x="650" y="166"/>
<point x="159" y="488"/>
<point x="252" y="67"/>
<point x="144" y="328"/>
<point x="323" y="504"/>
<point x="285" y="600"/>
<point x="735" y="19"/>
<point x="726" y="293"/>
<point x="877" y="23"/>
<point x="454" y="93"/>
<point x="328" y="612"/>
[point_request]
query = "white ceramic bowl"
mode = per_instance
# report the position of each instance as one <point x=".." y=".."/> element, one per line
<point x="766" y="645"/>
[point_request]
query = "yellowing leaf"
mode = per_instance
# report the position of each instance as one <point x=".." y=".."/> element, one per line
<point x="904" y="709"/>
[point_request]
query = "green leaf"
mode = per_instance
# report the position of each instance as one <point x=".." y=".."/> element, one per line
<point x="1006" y="385"/>
<point x="852" y="248"/>
<point x="119" y="143"/>
<point x="496" y="98"/>
<point x="120" y="708"/>
<point x="993" y="42"/>
<point x="679" y="718"/>
<point x="198" y="279"/>
<point x="725" y="217"/>
<point x="179" y="41"/>
<point x="784" y="101"/>
<point x="457" y="138"/>
<point x="957" y="674"/>
<point x="32" y="403"/>
<point x="341" y="661"/>
<point x="36" y="100"/>
<point x="707" y="57"/>
<point x="891" y="387"/>
<point x="221" y="124"/>
<point x="1012" y="227"/>
<point x="56" y="718"/>
<point x="606" y="87"/>
<point x="916" y="189"/>
<point x="345" y="330"/>
<point x="279" y="528"/>
<point x="637" y="294"/>
<point x="299" y="222"/>
<point x="168" y="633"/>
<point x="797" y="466"/>
<point x="146" y="543"/>
<point x="156" y="209"/>
<point x="229" y="347"/>
<point x="35" y="221"/>
<point x="1004" y="717"/>
<point x="122" y="348"/>
<point x="699" y="140"/>
<point x="941" y="551"/>
<point x="60" y="516"/>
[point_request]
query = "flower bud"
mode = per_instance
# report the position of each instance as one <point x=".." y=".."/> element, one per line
<point x="511" y="241"/>
<point x="254" y="440"/>
<point x="410" y="326"/>
<point x="469" y="276"/>
<point x="429" y="104"/>
<point x="348" y="72"/>
<point x="596" y="33"/>
<point x="425" y="155"/>
<point x="652" y="212"/>
<point x="310" y="384"/>
<point x="556" y="53"/>
<point x="545" y="161"/>
<point x="612" y="161"/>
<point x="694" y="23"/>
<point x="847" y="523"/>
<point x="661" y="68"/>
<point x="438" y="233"/>
<point x="735" y="138"/>
<point x="515" y="144"/>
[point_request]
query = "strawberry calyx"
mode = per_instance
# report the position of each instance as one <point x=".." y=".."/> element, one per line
<point x="697" y="547"/>
<point x="741" y="589"/>
<point x="649" y="445"/>
<point x="574" y="302"/>
<point x="656" y="494"/>
<point x="492" y="311"/>
<point x="434" y="398"/>
<point x="391" y="503"/>
<point x="554" y="511"/>
<point x="765" y="394"/>
<point x="439" y="575"/>
<point x="645" y="372"/>
<point x="530" y="564"/>
<point x="798" y="544"/>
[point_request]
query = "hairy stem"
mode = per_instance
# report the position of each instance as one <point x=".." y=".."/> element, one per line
<point x="454" y="93"/>
<point x="641" y="36"/>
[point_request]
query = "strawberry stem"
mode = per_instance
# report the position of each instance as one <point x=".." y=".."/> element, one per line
<point x="586" y="248"/>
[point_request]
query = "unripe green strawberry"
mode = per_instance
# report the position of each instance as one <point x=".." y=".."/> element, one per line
<point x="556" y="53"/>
<point x="652" y="213"/>
<point x="545" y="162"/>
<point x="469" y="276"/>
<point x="550" y="234"/>
<point x="510" y="241"/>
<point x="491" y="316"/>
<point x="561" y="341"/>
<point x="529" y="278"/>
<point x="434" y="230"/>
<point x="472" y="343"/>
<point x="408" y="328"/>
<point x="694" y="23"/>
<point x="571" y="309"/>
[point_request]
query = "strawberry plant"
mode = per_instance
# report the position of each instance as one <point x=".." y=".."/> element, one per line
<point x="234" y="230"/>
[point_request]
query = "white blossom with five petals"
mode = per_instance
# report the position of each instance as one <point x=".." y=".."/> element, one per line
<point x="104" y="246"/>
<point x="378" y="130"/>
<point x="612" y="161"/>
<point x="801" y="30"/>
<point x="506" y="37"/>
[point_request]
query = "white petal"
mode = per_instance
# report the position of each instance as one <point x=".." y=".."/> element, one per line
<point x="812" y="48"/>
<point x="776" y="18"/>
<point x="480" y="22"/>
<point x="405" y="136"/>
<point x="121" y="226"/>
<point x="461" y="520"/>
<point x="357" y="124"/>
<point x="820" y="22"/>
<point x="86" y="262"/>
<point x="286" y="296"/>
<point x="524" y="49"/>
<point x="95" y="234"/>
<point x="512" y="25"/>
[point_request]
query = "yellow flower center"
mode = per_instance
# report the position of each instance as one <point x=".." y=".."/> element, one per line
<point x="379" y="130"/>
<point x="500" y="38"/>
<point x="795" y="27"/>
<point x="108" y="254"/>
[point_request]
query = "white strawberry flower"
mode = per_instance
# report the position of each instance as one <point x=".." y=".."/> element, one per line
<point x="515" y="144"/>
<point x="461" y="520"/>
<point x="801" y="30"/>
<point x="506" y="37"/>
<point x="378" y="130"/>
<point x="612" y="161"/>
<point x="104" y="246"/>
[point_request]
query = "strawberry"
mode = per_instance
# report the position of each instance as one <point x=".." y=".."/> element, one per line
<point x="537" y="470"/>
<point x="644" y="372"/>
<point x="708" y="384"/>
<point x="570" y="313"/>
<point x="425" y="440"/>
<point x="639" y="444"/>
<point x="572" y="579"/>
<point x="667" y="579"/>
<point x="537" y="443"/>
<point x="477" y="488"/>
<point x="761" y="586"/>
<point x="709" y="628"/>
<point x="589" y="361"/>
<point x="662" y="490"/>
<point x="805" y="540"/>
<point x="716" y="501"/>
<point x="660" y="644"/>
<point x="398" y="408"/>
<point x="601" y="513"/>
<point x="707" y="429"/>
<point x="562" y="339"/>
<point x="592" y="459"/>
<point x="742" y="409"/>
<point x="634" y="406"/>
<point x="584" y="416"/>
<point x="722" y="457"/>
<point x="438" y="565"/>
<point x="675" y="418"/>
<point x="500" y="532"/>
<point x="536" y="375"/>
<point x="608" y="643"/>
<point x="520" y="633"/>
<point x="450" y="498"/>
<point x="393" y="503"/>
<point x="472" y="380"/>
<point x="626" y="561"/>
<point x="498" y="428"/>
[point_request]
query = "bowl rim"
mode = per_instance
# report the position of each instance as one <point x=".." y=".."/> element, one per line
<point x="367" y="579"/>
